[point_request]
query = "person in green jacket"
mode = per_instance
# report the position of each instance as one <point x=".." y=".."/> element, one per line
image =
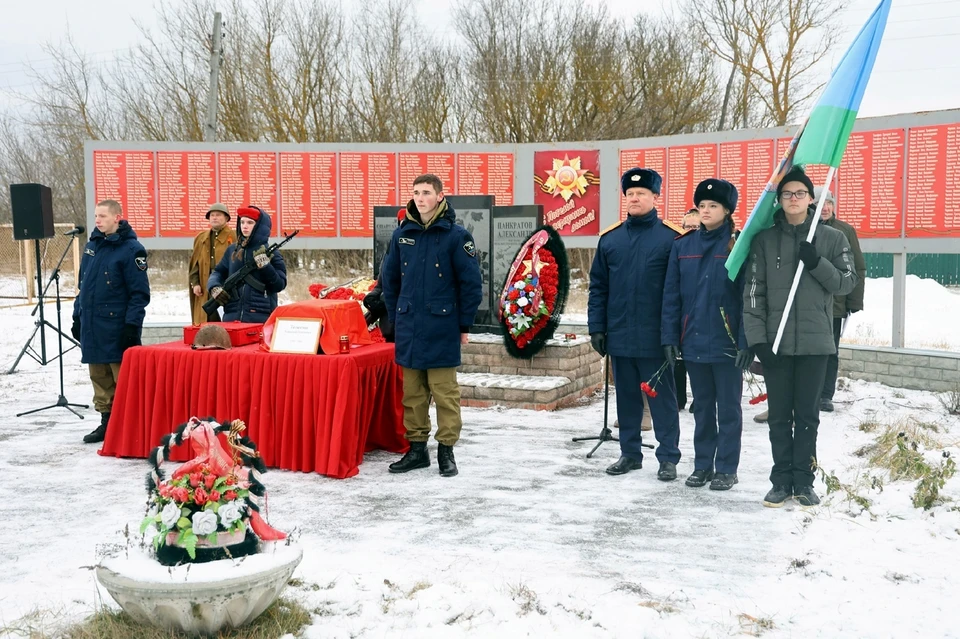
<point x="843" y="305"/>
<point x="794" y="375"/>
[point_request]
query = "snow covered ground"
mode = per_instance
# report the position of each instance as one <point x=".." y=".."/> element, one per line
<point x="531" y="539"/>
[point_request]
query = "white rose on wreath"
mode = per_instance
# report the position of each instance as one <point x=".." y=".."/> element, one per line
<point x="170" y="514"/>
<point x="522" y="301"/>
<point x="229" y="513"/>
<point x="204" y="522"/>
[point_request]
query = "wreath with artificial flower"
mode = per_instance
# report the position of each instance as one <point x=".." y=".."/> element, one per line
<point x="210" y="507"/>
<point x="534" y="293"/>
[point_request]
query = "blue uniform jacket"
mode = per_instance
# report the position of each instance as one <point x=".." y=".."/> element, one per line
<point x="114" y="291"/>
<point x="696" y="290"/>
<point x="626" y="285"/>
<point x="432" y="288"/>
<point x="247" y="303"/>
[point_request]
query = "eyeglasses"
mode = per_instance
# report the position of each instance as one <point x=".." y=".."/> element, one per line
<point x="793" y="195"/>
<point x="690" y="227"/>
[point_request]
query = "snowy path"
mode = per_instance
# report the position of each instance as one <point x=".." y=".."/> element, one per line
<point x="531" y="539"/>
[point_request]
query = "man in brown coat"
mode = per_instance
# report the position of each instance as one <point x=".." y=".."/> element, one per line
<point x="208" y="249"/>
<point x="843" y="305"/>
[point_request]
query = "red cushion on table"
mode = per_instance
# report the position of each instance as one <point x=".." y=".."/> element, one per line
<point x="340" y="317"/>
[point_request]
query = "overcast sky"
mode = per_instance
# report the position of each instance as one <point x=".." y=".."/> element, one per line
<point x="917" y="69"/>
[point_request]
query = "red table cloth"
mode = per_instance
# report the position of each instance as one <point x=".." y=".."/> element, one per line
<point x="312" y="413"/>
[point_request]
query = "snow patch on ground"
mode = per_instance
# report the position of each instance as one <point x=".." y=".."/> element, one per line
<point x="531" y="539"/>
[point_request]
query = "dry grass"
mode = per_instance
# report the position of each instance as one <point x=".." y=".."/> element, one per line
<point x="754" y="626"/>
<point x="285" y="617"/>
<point x="897" y="449"/>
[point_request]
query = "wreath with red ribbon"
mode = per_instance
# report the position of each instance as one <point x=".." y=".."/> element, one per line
<point x="534" y="293"/>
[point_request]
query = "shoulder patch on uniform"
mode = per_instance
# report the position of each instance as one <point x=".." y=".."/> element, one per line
<point x="407" y="240"/>
<point x="140" y="259"/>
<point x="673" y="226"/>
<point x="470" y="249"/>
<point x="610" y="228"/>
<point x="89" y="251"/>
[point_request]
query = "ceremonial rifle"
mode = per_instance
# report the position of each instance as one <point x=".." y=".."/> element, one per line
<point x="233" y="282"/>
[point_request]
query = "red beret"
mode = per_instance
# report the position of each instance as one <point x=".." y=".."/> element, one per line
<point x="401" y="215"/>
<point x="252" y="213"/>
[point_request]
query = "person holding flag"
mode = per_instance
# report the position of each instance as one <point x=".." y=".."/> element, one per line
<point x="794" y="374"/>
<point x="792" y="340"/>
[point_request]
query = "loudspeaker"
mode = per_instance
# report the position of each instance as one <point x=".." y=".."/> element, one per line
<point x="32" y="206"/>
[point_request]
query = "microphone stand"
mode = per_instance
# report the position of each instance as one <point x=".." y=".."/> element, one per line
<point x="41" y="323"/>
<point x="606" y="435"/>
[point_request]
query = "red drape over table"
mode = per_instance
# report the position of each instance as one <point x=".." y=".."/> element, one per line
<point x="312" y="413"/>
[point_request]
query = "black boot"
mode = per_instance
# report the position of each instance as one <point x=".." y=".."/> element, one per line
<point x="417" y="457"/>
<point x="445" y="460"/>
<point x="97" y="435"/>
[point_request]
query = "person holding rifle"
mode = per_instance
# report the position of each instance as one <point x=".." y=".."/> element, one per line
<point x="256" y="297"/>
<point x="794" y="375"/>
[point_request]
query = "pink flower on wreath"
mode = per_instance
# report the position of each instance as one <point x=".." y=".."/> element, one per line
<point x="209" y="480"/>
<point x="180" y="494"/>
<point x="200" y="496"/>
<point x="195" y="479"/>
<point x="214" y="495"/>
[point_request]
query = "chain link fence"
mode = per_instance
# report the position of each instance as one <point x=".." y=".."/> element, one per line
<point x="18" y="265"/>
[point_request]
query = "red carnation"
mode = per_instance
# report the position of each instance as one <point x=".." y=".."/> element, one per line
<point x="229" y="495"/>
<point x="513" y="294"/>
<point x="214" y="495"/>
<point x="200" y="496"/>
<point x="315" y="289"/>
<point x="648" y="391"/>
<point x="165" y="490"/>
<point x="762" y="397"/>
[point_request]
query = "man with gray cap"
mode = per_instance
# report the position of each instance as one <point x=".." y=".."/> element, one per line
<point x="208" y="249"/>
<point x="843" y="305"/>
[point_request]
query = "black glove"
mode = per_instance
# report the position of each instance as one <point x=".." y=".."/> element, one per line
<point x="599" y="343"/>
<point x="744" y="359"/>
<point x="75" y="330"/>
<point x="768" y="358"/>
<point x="671" y="353"/>
<point x="809" y="255"/>
<point x="387" y="335"/>
<point x="131" y="336"/>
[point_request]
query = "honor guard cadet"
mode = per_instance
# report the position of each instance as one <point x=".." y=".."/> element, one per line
<point x="623" y="315"/>
<point x="433" y="288"/>
<point x="108" y="313"/>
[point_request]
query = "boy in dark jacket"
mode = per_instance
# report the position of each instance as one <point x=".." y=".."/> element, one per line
<point x="794" y="375"/>
<point x="702" y="318"/>
<point x="432" y="288"/>
<point x="108" y="313"/>
<point x="843" y="305"/>
<point x="623" y="317"/>
<point x="256" y="298"/>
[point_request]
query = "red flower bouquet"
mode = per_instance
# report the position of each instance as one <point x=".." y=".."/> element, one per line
<point x="534" y="293"/>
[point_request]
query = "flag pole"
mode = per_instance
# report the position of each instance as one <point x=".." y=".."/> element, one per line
<point x="796" y="277"/>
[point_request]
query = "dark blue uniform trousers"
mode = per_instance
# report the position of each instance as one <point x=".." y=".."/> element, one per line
<point x="628" y="373"/>
<point x="717" y="392"/>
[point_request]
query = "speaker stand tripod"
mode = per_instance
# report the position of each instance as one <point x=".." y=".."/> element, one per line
<point x="606" y="435"/>
<point x="41" y="324"/>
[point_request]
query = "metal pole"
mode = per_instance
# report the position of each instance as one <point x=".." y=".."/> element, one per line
<point x="898" y="339"/>
<point x="796" y="276"/>
<point x="210" y="124"/>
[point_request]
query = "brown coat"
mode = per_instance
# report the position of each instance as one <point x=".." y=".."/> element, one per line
<point x="201" y="265"/>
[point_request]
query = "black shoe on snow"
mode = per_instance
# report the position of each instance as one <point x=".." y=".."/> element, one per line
<point x="624" y="465"/>
<point x="724" y="481"/>
<point x="97" y="435"/>
<point x="826" y="405"/>
<point x="417" y="457"/>
<point x="667" y="472"/>
<point x="806" y="497"/>
<point x="699" y="478"/>
<point x="446" y="462"/>
<point x="777" y="496"/>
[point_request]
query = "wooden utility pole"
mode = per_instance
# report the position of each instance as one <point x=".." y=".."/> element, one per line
<point x="210" y="125"/>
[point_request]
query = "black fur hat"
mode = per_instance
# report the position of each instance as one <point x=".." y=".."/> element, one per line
<point x="717" y="190"/>
<point x="643" y="178"/>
